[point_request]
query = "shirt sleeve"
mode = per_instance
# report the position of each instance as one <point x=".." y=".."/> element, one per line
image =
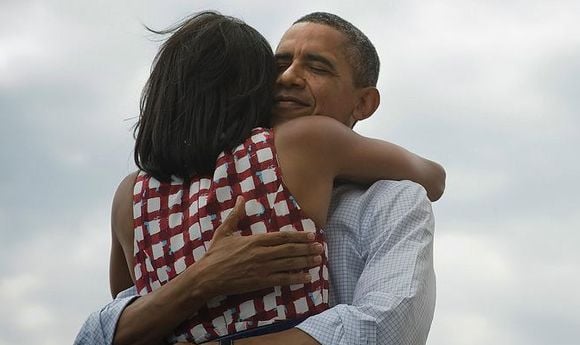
<point x="100" y="326"/>
<point x="342" y="324"/>
<point x="394" y="298"/>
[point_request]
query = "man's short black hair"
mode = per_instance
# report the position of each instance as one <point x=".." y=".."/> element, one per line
<point x="360" y="52"/>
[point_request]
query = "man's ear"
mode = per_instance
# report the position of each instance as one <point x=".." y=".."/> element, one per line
<point x="368" y="102"/>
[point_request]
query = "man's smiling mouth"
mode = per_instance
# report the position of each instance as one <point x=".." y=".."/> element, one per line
<point x="287" y="100"/>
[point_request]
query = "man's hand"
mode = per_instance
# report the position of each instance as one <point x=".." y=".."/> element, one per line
<point x="232" y="265"/>
<point x="238" y="264"/>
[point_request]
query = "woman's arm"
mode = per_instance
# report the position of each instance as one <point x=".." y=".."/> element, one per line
<point x="333" y="148"/>
<point x="120" y="274"/>
<point x="362" y="159"/>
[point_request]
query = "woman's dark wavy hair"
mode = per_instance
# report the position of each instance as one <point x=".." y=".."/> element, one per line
<point x="210" y="84"/>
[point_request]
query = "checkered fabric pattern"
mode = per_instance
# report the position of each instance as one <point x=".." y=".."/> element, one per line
<point x="174" y="224"/>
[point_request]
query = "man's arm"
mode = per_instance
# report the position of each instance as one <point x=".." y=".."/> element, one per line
<point x="99" y="328"/>
<point x="393" y="299"/>
<point x="381" y="268"/>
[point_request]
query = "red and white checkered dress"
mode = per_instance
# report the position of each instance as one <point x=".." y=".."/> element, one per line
<point x="174" y="223"/>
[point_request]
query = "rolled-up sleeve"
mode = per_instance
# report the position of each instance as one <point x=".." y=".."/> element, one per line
<point x="342" y="324"/>
<point x="99" y="328"/>
<point x="381" y="268"/>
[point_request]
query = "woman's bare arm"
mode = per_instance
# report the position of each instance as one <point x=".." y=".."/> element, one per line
<point x="120" y="274"/>
<point x="333" y="148"/>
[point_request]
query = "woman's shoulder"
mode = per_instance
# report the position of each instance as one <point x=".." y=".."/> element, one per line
<point x="126" y="186"/>
<point x="124" y="196"/>
<point x="311" y="130"/>
<point x="314" y="142"/>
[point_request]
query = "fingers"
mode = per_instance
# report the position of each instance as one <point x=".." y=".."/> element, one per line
<point x="292" y="250"/>
<point x="283" y="279"/>
<point x="230" y="224"/>
<point x="283" y="237"/>
<point x="292" y="264"/>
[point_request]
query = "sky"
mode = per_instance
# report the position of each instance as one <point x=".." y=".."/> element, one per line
<point x="490" y="89"/>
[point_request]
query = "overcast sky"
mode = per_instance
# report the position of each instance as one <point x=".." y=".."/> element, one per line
<point x="489" y="88"/>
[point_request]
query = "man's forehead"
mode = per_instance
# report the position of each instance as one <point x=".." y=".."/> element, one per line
<point x="313" y="36"/>
<point x="312" y="39"/>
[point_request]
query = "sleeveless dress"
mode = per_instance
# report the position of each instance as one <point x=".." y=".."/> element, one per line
<point x="174" y="224"/>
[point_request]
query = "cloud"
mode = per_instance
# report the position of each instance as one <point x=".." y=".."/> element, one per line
<point x="507" y="283"/>
<point x="489" y="89"/>
<point x="55" y="283"/>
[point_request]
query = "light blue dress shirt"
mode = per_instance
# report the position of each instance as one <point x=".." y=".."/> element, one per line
<point x="382" y="283"/>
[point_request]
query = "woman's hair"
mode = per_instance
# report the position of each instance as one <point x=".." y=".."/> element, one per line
<point x="210" y="84"/>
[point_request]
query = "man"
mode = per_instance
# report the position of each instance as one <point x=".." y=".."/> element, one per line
<point x="379" y="239"/>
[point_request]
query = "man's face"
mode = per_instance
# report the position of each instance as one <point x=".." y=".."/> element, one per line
<point x="314" y="74"/>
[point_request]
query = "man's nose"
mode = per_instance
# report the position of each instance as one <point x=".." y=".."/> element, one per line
<point x="293" y="76"/>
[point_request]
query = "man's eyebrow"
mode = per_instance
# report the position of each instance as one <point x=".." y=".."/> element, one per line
<point x="321" y="59"/>
<point x="283" y="56"/>
<point x="309" y="57"/>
